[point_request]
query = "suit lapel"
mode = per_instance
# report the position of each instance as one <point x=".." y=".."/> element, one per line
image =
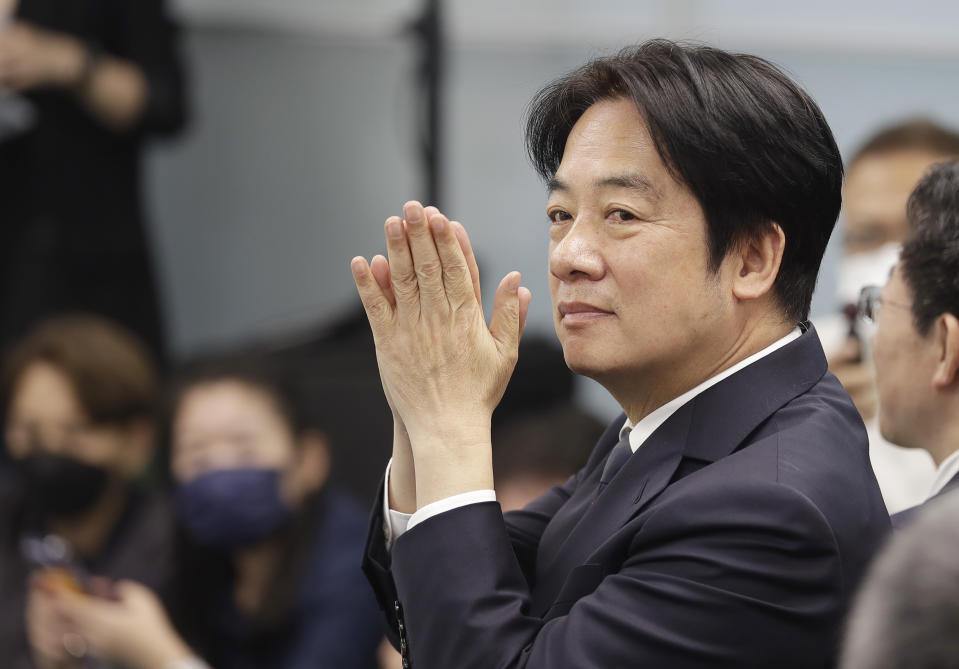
<point x="727" y="413"/>
<point x="595" y="519"/>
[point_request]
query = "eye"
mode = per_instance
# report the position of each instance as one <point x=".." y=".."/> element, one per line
<point x="621" y="216"/>
<point x="558" y="216"/>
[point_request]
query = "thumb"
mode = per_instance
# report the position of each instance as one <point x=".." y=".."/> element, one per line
<point x="506" y="323"/>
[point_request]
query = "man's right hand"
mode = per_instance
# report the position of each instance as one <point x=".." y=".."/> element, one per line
<point x="402" y="483"/>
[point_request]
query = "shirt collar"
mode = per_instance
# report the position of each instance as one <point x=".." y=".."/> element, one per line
<point x="640" y="432"/>
<point x="945" y="472"/>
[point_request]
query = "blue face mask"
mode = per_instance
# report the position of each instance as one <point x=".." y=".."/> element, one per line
<point x="231" y="508"/>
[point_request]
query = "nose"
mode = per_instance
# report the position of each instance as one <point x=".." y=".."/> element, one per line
<point x="576" y="253"/>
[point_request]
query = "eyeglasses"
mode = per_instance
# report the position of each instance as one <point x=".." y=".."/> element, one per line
<point x="870" y="300"/>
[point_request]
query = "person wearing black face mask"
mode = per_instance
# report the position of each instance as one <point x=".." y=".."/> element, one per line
<point x="60" y="486"/>
<point x="79" y="396"/>
<point x="266" y="553"/>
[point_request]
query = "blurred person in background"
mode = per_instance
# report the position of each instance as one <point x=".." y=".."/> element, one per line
<point x="879" y="179"/>
<point x="79" y="395"/>
<point x="98" y="77"/>
<point x="267" y="568"/>
<point x="916" y="342"/>
<point x="539" y="449"/>
<point x="906" y="614"/>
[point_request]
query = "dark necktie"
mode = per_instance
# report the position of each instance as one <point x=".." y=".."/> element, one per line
<point x="617" y="458"/>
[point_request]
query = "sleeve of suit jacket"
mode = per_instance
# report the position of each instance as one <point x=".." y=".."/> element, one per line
<point x="525" y="530"/>
<point x="693" y="590"/>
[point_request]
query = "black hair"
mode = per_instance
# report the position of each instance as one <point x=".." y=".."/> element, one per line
<point x="930" y="254"/>
<point x="749" y="143"/>
<point x="256" y="370"/>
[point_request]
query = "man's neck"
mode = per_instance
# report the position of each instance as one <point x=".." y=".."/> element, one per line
<point x="644" y="395"/>
<point x="89" y="532"/>
<point x="943" y="441"/>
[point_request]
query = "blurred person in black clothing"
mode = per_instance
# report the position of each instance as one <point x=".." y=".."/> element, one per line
<point x="99" y="77"/>
<point x="79" y="395"/>
<point x="541" y="448"/>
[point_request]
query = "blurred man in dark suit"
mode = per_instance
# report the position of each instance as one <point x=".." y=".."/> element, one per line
<point x="916" y="345"/>
<point x="880" y="175"/>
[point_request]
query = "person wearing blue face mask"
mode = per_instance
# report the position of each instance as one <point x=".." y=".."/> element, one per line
<point x="267" y="570"/>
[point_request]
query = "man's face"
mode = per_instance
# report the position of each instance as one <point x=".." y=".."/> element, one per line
<point x="875" y="195"/>
<point x="904" y="362"/>
<point x="633" y="299"/>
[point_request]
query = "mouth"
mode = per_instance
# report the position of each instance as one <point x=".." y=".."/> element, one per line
<point x="571" y="313"/>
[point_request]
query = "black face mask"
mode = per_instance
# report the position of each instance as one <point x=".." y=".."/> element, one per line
<point x="61" y="486"/>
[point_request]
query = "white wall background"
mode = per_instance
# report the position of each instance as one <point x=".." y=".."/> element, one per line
<point x="303" y="134"/>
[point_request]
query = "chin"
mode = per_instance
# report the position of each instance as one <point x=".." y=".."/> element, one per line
<point x="888" y="432"/>
<point x="585" y="363"/>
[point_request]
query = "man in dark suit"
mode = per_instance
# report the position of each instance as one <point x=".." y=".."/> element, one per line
<point x="916" y="343"/>
<point x="725" y="518"/>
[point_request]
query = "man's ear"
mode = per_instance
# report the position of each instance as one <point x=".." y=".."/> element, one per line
<point x="757" y="261"/>
<point x="946" y="332"/>
<point x="138" y="446"/>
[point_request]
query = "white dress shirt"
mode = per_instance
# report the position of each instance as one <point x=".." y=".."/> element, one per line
<point x="396" y="523"/>
<point x="945" y="473"/>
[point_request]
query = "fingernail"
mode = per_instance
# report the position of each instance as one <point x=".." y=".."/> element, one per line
<point x="438" y="223"/>
<point x="413" y="212"/>
<point x="514" y="281"/>
<point x="358" y="265"/>
<point x="394" y="229"/>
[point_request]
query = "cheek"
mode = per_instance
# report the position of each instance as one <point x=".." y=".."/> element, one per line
<point x="885" y="347"/>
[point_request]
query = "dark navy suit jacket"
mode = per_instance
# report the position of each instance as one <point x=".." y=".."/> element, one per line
<point x="734" y="537"/>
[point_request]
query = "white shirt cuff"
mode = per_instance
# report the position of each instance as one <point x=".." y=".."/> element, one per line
<point x="448" y="504"/>
<point x="395" y="523"/>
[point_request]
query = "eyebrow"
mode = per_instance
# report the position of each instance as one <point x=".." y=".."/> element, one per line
<point x="628" y="180"/>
